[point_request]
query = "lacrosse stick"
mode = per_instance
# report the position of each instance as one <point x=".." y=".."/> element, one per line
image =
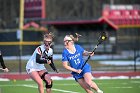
<point x="52" y="63"/>
<point x="103" y="37"/>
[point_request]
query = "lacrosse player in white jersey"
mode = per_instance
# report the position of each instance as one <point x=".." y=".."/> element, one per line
<point x="35" y="66"/>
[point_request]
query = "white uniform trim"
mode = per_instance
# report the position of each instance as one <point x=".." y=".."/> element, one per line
<point x="32" y="65"/>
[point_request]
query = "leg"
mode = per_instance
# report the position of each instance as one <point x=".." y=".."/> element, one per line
<point x="84" y="85"/>
<point x="47" y="79"/>
<point x="92" y="84"/>
<point x="35" y="76"/>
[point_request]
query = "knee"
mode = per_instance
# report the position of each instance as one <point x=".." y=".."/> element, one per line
<point x="49" y="83"/>
<point x="89" y="83"/>
<point x="47" y="80"/>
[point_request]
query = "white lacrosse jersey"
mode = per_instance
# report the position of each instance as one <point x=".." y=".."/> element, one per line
<point x="32" y="64"/>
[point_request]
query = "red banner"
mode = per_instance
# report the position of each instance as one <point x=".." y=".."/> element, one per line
<point x="122" y="14"/>
<point x="34" y="9"/>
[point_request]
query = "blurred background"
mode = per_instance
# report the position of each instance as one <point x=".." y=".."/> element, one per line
<point x="23" y="23"/>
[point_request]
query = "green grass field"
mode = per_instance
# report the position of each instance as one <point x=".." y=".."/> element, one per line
<point x="70" y="86"/>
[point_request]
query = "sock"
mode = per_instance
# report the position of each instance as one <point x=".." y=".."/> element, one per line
<point x="99" y="91"/>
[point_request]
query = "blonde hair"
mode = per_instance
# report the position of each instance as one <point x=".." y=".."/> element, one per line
<point x="74" y="38"/>
<point x="49" y="35"/>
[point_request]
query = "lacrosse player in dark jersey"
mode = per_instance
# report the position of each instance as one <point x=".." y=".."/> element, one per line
<point x="4" y="68"/>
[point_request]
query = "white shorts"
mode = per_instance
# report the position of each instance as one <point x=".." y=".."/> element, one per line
<point x="29" y="70"/>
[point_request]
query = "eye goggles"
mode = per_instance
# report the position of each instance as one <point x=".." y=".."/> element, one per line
<point x="47" y="42"/>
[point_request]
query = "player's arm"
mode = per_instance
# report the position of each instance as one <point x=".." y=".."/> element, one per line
<point x="52" y="64"/>
<point x="41" y="60"/>
<point x="66" y="66"/>
<point x="86" y="53"/>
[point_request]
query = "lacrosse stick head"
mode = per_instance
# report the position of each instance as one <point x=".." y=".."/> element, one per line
<point x="103" y="37"/>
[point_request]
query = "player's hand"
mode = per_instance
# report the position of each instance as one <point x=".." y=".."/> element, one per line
<point x="91" y="54"/>
<point x="6" y="70"/>
<point x="79" y="71"/>
<point x="49" y="62"/>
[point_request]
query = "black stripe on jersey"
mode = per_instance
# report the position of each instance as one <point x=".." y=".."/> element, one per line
<point x="39" y="50"/>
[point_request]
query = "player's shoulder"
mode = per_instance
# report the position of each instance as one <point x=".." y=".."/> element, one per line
<point x="64" y="51"/>
<point x="39" y="49"/>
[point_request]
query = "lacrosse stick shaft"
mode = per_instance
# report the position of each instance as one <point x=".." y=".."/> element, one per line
<point x="90" y="55"/>
<point x="52" y="63"/>
<point x="102" y="38"/>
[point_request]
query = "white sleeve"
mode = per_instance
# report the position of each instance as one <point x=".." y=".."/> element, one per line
<point x="50" y="52"/>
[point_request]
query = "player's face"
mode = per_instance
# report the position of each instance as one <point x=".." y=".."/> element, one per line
<point x="67" y="43"/>
<point x="47" y="42"/>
